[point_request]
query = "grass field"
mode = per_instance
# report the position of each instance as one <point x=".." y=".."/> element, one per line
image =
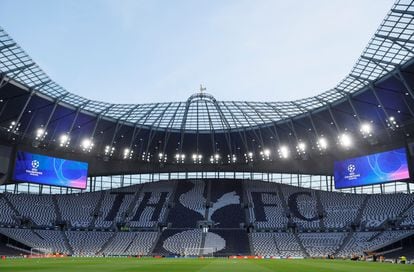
<point x="190" y="265"/>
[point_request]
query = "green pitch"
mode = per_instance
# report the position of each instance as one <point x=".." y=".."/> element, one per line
<point x="190" y="265"/>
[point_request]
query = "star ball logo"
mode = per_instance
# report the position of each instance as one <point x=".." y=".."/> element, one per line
<point x="351" y="172"/>
<point x="351" y="168"/>
<point x="35" y="164"/>
<point x="33" y="171"/>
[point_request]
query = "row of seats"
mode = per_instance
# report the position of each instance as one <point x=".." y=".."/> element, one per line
<point x="194" y="199"/>
<point x="84" y="243"/>
<point x="361" y="242"/>
<point x="275" y="244"/>
<point x="78" y="209"/>
<point x="42" y="240"/>
<point x="340" y="210"/>
<point x="270" y="206"/>
<point x="384" y="207"/>
<point x="7" y="215"/>
<point x="322" y="244"/>
<point x="217" y="241"/>
<point x="131" y="243"/>
<point x="39" y="207"/>
<point x="151" y="206"/>
<point x="267" y="210"/>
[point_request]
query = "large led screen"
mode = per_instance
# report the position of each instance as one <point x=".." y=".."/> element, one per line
<point x="47" y="170"/>
<point x="372" y="169"/>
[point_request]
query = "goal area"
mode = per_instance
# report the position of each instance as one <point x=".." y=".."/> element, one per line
<point x="40" y="252"/>
<point x="199" y="251"/>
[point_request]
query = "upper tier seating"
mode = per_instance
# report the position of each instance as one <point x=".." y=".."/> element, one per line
<point x="78" y="209"/>
<point x="225" y="210"/>
<point x="151" y="206"/>
<point x="39" y="208"/>
<point x="302" y="201"/>
<point x="267" y="210"/>
<point x="7" y="215"/>
<point x="408" y="217"/>
<point x="326" y="223"/>
<point x="384" y="207"/>
<point x="181" y="216"/>
<point x="340" y="210"/>
<point x="195" y="199"/>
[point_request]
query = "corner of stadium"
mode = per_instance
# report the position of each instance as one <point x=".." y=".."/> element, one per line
<point x="322" y="183"/>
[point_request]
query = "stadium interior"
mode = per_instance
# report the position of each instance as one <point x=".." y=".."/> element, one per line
<point x="205" y="177"/>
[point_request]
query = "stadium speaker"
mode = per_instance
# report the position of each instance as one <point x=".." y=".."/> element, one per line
<point x="36" y="143"/>
<point x="411" y="148"/>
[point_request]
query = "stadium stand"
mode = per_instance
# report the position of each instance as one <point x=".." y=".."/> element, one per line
<point x="151" y="206"/>
<point x="165" y="218"/>
<point x="340" y="210"/>
<point x="130" y="243"/>
<point x="49" y="240"/>
<point x="226" y="209"/>
<point x="81" y="214"/>
<point x="237" y="242"/>
<point x="180" y="216"/>
<point x="204" y="176"/>
<point x="266" y="209"/>
<point x="382" y="208"/>
<point x="7" y="215"/>
<point x="39" y="208"/>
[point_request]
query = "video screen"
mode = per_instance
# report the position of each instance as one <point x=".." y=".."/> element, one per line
<point x="372" y="169"/>
<point x="48" y="170"/>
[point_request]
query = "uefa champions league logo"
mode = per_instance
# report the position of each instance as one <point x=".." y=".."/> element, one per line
<point x="34" y="172"/>
<point x="352" y="175"/>
<point x="35" y="164"/>
<point x="351" y="168"/>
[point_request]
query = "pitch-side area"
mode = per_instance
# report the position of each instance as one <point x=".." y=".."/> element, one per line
<point x="193" y="264"/>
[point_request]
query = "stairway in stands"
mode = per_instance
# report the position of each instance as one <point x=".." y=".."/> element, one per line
<point x="158" y="248"/>
<point x="203" y="242"/>
<point x="302" y="247"/>
<point x="152" y="249"/>
<point x="107" y="243"/>
<point x="169" y="204"/>
<point x="56" y="208"/>
<point x="321" y="211"/>
<point x="400" y="216"/>
<point x="97" y="209"/>
<point x="207" y="195"/>
<point x="10" y="205"/>
<point x="67" y="244"/>
<point x="284" y="204"/>
<point x="358" y="218"/>
<point x="344" y="242"/>
<point x="247" y="203"/>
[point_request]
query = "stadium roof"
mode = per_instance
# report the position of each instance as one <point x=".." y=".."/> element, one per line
<point x="390" y="47"/>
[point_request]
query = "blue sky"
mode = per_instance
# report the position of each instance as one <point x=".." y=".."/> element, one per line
<point x="133" y="51"/>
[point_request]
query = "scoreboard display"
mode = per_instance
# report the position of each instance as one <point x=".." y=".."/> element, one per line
<point x="376" y="168"/>
<point x="41" y="169"/>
